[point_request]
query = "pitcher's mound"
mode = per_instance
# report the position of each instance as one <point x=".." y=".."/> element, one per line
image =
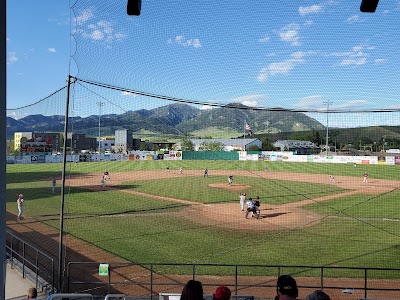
<point x="232" y="187"/>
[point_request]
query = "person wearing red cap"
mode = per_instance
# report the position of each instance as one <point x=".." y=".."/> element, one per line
<point x="286" y="288"/>
<point x="222" y="293"/>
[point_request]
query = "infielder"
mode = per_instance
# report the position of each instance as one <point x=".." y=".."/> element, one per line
<point x="365" y="177"/>
<point x="230" y="180"/>
<point x="20" y="202"/>
<point x="242" y="201"/>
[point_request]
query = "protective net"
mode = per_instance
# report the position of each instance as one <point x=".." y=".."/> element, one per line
<point x="177" y="119"/>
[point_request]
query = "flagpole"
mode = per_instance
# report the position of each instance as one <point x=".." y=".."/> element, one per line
<point x="244" y="135"/>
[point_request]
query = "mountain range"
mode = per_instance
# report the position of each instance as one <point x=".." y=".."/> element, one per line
<point x="173" y="120"/>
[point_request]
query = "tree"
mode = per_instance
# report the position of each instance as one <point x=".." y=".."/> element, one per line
<point x="254" y="148"/>
<point x="215" y="146"/>
<point x="266" y="144"/>
<point x="212" y="146"/>
<point x="315" y="137"/>
<point x="186" y="144"/>
<point x="203" y="146"/>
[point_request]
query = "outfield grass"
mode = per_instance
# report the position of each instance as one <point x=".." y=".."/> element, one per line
<point x="352" y="230"/>
<point x="382" y="206"/>
<point x="25" y="173"/>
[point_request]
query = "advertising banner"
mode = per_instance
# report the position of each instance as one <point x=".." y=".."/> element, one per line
<point x="244" y="156"/>
<point x="390" y="160"/>
<point x="173" y="155"/>
<point x="10" y="159"/>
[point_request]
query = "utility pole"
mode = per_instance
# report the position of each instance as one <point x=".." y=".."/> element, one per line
<point x="100" y="104"/>
<point x="327" y="103"/>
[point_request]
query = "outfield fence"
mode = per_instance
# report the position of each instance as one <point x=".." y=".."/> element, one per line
<point x="267" y="156"/>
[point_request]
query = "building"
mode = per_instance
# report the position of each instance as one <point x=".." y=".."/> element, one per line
<point x="79" y="141"/>
<point x="227" y="144"/>
<point x="123" y="140"/>
<point x="106" y="144"/>
<point x="45" y="142"/>
<point x="300" y="147"/>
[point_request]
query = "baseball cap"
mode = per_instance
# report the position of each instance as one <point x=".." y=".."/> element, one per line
<point x="222" y="293"/>
<point x="287" y="285"/>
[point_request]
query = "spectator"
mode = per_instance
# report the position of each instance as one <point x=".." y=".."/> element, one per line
<point x="32" y="294"/>
<point x="193" y="290"/>
<point x="286" y="288"/>
<point x="222" y="293"/>
<point x="318" y="295"/>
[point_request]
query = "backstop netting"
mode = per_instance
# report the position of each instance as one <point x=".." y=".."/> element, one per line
<point x="165" y="107"/>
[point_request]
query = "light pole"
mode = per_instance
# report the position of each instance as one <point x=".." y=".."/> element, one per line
<point x="327" y="103"/>
<point x="100" y="104"/>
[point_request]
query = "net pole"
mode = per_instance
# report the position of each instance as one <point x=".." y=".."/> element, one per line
<point x="60" y="246"/>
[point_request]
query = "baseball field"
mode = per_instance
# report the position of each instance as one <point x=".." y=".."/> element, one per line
<point x="148" y="214"/>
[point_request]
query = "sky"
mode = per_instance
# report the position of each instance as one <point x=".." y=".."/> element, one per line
<point x="298" y="55"/>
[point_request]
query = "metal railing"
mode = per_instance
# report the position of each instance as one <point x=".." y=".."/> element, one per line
<point x="32" y="261"/>
<point x="118" y="275"/>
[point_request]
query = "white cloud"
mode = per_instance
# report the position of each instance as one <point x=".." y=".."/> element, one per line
<point x="52" y="50"/>
<point x="386" y="11"/>
<point x="280" y="67"/>
<point x="354" y="104"/>
<point x="84" y="16"/>
<point x="306" y="10"/>
<point x="16" y="114"/>
<point x="265" y="39"/>
<point x="207" y="107"/>
<point x="290" y="34"/>
<point x="311" y="102"/>
<point x="97" y="35"/>
<point x="353" y="19"/>
<point x="181" y="40"/>
<point x="308" y="23"/>
<point x="250" y="100"/>
<point x="12" y="58"/>
<point x="263" y="75"/>
<point x="357" y="55"/>
<point x="8" y="39"/>
<point x="380" y="60"/>
<point x="129" y="94"/>
<point x="283" y="67"/>
<point x="316" y="102"/>
<point x="97" y="31"/>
